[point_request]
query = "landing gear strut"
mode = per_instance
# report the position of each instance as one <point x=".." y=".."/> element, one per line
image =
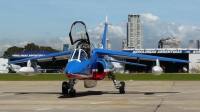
<point x="120" y="86"/>
<point x="69" y="87"/>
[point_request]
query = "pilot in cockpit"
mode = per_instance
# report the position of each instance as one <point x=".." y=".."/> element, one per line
<point x="86" y="48"/>
<point x="83" y="56"/>
<point x="75" y="56"/>
<point x="79" y="54"/>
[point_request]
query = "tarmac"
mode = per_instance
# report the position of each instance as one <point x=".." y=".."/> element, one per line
<point x="140" y="96"/>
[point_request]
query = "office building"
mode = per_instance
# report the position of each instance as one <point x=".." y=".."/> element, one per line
<point x="134" y="32"/>
<point x="65" y="47"/>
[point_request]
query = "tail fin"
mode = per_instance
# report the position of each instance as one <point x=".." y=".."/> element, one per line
<point x="157" y="62"/>
<point x="104" y="39"/>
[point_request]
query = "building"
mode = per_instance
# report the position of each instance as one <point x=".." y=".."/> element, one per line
<point x="134" y="32"/>
<point x="3" y="65"/>
<point x="169" y="43"/>
<point x="124" y="43"/>
<point x="108" y="45"/>
<point x="65" y="47"/>
<point x="169" y="47"/>
<point x="52" y="67"/>
<point x="193" y="55"/>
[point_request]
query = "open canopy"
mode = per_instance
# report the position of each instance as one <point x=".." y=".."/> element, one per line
<point x="78" y="32"/>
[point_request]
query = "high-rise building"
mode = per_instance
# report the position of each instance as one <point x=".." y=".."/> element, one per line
<point x="134" y="32"/>
<point x="191" y="44"/>
<point x="65" y="47"/>
<point x="124" y="43"/>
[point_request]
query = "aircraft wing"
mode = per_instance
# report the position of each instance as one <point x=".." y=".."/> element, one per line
<point x="126" y="55"/>
<point x="58" y="56"/>
<point x="130" y="63"/>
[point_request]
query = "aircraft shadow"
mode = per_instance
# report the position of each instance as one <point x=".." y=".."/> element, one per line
<point x="88" y="93"/>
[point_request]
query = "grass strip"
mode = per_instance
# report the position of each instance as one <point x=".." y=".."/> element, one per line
<point x="123" y="77"/>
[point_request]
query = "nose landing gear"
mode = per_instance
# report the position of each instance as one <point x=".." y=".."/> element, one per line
<point x="65" y="87"/>
<point x="69" y="88"/>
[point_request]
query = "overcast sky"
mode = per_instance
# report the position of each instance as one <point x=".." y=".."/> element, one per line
<point x="47" y="22"/>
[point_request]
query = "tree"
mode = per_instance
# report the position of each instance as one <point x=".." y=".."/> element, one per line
<point x="28" y="47"/>
<point x="31" y="47"/>
<point x="13" y="50"/>
<point x="48" y="48"/>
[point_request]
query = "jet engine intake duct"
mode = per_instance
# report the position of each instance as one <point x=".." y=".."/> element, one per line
<point x="98" y="72"/>
<point x="100" y="68"/>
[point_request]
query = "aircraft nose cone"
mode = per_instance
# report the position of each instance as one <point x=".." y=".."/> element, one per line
<point x="67" y="72"/>
<point x="71" y="67"/>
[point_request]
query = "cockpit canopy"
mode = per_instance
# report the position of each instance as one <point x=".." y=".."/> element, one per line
<point x="79" y="55"/>
<point x="78" y="33"/>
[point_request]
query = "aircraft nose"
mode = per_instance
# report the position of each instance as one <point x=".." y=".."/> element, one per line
<point x="71" y="67"/>
<point x="67" y="72"/>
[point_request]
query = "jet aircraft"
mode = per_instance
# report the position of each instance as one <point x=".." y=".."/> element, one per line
<point x="88" y="63"/>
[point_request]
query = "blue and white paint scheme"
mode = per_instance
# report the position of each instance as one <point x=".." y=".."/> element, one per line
<point x="88" y="63"/>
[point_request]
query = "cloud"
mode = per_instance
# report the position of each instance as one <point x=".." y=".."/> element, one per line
<point x="56" y="43"/>
<point x="153" y="27"/>
<point x="150" y="17"/>
<point x="4" y="48"/>
<point x="115" y="35"/>
<point x="21" y="44"/>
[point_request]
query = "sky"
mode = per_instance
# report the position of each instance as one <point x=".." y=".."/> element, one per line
<point x="47" y="22"/>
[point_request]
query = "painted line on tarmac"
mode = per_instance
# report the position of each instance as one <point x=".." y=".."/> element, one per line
<point x="188" y="92"/>
<point x="6" y="95"/>
<point x="137" y="98"/>
<point x="50" y="108"/>
<point x="99" y="102"/>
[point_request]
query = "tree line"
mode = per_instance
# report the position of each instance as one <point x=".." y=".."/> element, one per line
<point x="29" y="47"/>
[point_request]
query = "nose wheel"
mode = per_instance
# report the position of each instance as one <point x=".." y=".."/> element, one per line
<point x="68" y="88"/>
<point x="72" y="92"/>
<point x="65" y="87"/>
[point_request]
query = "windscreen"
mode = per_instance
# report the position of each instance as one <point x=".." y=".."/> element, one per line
<point x="78" y="32"/>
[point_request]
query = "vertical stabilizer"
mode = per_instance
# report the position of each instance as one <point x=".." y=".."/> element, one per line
<point x="104" y="39"/>
<point x="157" y="62"/>
<point x="106" y="19"/>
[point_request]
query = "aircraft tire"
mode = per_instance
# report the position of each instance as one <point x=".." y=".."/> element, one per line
<point x="122" y="88"/>
<point x="64" y="88"/>
<point x="72" y="93"/>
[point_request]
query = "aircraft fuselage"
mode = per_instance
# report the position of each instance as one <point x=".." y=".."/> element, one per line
<point x="79" y="67"/>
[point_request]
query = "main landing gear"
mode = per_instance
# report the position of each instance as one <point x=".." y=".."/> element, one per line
<point x="69" y="87"/>
<point x="120" y="86"/>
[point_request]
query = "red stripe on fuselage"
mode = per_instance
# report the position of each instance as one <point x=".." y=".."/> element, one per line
<point x="95" y="76"/>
